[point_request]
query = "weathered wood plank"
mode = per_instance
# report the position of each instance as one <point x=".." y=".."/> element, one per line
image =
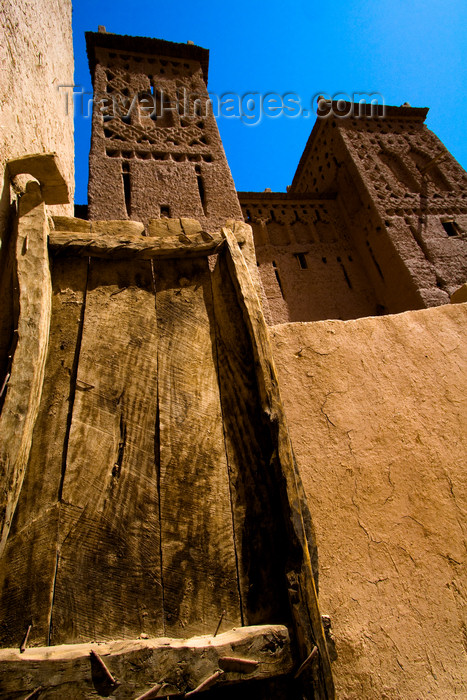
<point x="257" y="509"/>
<point x="27" y="568"/>
<point x="108" y="582"/>
<point x="116" y="246"/>
<point x="177" y="665"/>
<point x="303" y="598"/>
<point x="8" y="307"/>
<point x="24" y="388"/>
<point x="198" y="557"/>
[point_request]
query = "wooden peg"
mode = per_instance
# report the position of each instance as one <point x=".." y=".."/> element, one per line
<point x="205" y="684"/>
<point x="237" y="665"/>
<point x="24" y="643"/>
<point x="307" y="662"/>
<point x="34" y="694"/>
<point x="152" y="693"/>
<point x="103" y="668"/>
<point x="219" y="623"/>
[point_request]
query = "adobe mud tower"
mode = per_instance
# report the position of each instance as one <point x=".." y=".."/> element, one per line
<point x="373" y="223"/>
<point x="156" y="150"/>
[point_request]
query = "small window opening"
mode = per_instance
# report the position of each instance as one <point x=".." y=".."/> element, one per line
<point x="451" y="228"/>
<point x="162" y="109"/>
<point x="375" y="262"/>
<point x="156" y="112"/>
<point x="165" y="211"/>
<point x="201" y="190"/>
<point x="200" y="110"/>
<point x="347" y="278"/>
<point x="278" y="279"/>
<point x="127" y="187"/>
<point x="248" y="215"/>
<point x="273" y="214"/>
<point x="302" y="261"/>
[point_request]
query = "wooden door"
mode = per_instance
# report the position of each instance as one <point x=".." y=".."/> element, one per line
<point x="160" y="496"/>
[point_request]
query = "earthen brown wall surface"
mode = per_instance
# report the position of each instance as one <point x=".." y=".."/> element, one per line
<point x="378" y="207"/>
<point x="36" y="56"/>
<point x="376" y="410"/>
<point x="395" y="183"/>
<point x="309" y="266"/>
<point x="170" y="164"/>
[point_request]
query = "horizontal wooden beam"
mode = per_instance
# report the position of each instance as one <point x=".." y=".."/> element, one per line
<point x="162" y="667"/>
<point x="143" y="247"/>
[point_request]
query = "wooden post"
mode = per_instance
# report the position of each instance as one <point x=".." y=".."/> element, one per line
<point x="23" y="391"/>
<point x="302" y="591"/>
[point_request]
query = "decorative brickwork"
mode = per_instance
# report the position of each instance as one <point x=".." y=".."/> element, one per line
<point x="308" y="265"/>
<point x="399" y="211"/>
<point x="155" y="150"/>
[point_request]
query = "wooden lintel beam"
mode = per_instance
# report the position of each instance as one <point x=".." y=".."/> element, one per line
<point x="143" y="247"/>
<point x="177" y="666"/>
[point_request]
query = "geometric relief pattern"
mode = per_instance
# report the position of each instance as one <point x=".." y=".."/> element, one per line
<point x="168" y="132"/>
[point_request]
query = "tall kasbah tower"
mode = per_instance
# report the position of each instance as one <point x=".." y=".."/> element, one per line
<point x="403" y="197"/>
<point x="161" y="155"/>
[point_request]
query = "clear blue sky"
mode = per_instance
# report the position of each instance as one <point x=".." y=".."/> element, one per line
<point x="407" y="50"/>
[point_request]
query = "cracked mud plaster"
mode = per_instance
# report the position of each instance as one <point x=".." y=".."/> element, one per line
<point x="376" y="410"/>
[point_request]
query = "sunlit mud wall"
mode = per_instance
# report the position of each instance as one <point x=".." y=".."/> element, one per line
<point x="376" y="410"/>
<point x="36" y="58"/>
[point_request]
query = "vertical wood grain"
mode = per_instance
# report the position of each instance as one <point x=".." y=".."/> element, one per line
<point x="302" y="592"/>
<point x="199" y="568"/>
<point x="24" y="385"/>
<point x="27" y="568"/>
<point x="257" y="512"/>
<point x="108" y="581"/>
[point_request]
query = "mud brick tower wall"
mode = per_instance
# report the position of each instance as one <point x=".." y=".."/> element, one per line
<point x="162" y="156"/>
<point x="374" y="222"/>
